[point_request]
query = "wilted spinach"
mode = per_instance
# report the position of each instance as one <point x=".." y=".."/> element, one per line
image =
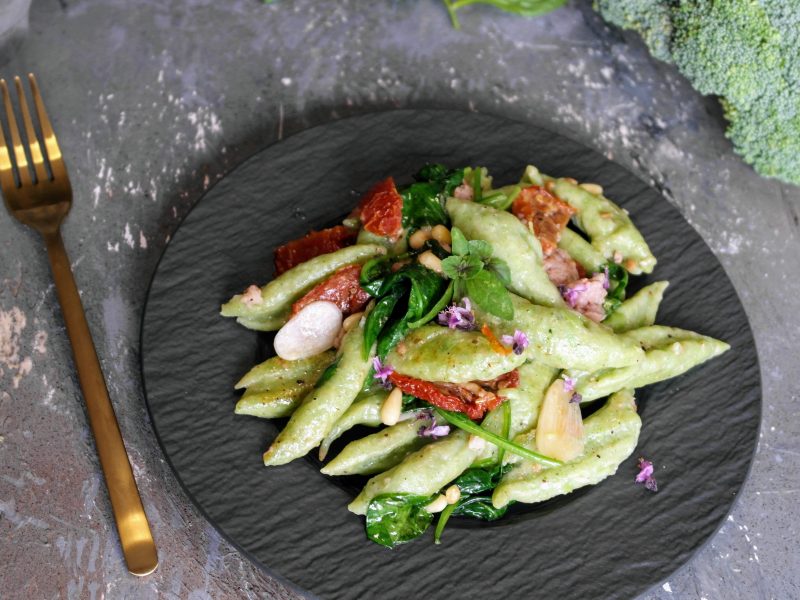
<point x="423" y="201"/>
<point x="394" y="519"/>
<point x="617" y="282"/>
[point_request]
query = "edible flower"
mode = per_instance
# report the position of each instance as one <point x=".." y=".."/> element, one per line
<point x="382" y="372"/>
<point x="607" y="279"/>
<point x="569" y="384"/>
<point x="518" y="341"/>
<point x="458" y="317"/>
<point x="433" y="430"/>
<point x="645" y="475"/>
<point x="572" y="293"/>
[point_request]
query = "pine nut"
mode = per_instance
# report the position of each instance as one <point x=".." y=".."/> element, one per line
<point x="476" y="443"/>
<point x="438" y="505"/>
<point x="441" y="234"/>
<point x="419" y="237"/>
<point x="452" y="494"/>
<point x="391" y="407"/>
<point x="571" y="180"/>
<point x="351" y="321"/>
<point x="429" y="260"/>
<point x="593" y="188"/>
<point x="550" y="185"/>
<point x="630" y="264"/>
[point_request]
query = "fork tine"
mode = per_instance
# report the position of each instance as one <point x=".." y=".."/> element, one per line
<point x="19" y="151"/>
<point x="30" y="133"/>
<point x="50" y="143"/>
<point x="7" y="181"/>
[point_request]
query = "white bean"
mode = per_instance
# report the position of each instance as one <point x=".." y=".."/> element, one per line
<point x="310" y="331"/>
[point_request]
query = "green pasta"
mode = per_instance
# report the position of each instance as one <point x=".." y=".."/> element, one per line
<point x="364" y="411"/>
<point x="669" y="352"/>
<point x="639" y="310"/>
<point x="278" y="295"/>
<point x="316" y="416"/>
<point x="610" y="228"/>
<point x="378" y="451"/>
<point x="435" y="353"/>
<point x="581" y="251"/>
<point x="565" y="339"/>
<point x="610" y="436"/>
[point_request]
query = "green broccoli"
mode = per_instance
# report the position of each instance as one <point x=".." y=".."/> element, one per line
<point x="745" y="51"/>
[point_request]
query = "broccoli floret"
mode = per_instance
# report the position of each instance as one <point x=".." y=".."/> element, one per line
<point x="747" y="52"/>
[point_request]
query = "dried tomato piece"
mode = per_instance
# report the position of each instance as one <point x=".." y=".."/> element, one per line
<point x="474" y="399"/>
<point x="381" y="210"/>
<point x="547" y="214"/>
<point x="313" y="244"/>
<point x="341" y="288"/>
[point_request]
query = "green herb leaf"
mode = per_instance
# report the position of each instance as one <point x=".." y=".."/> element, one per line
<point x="463" y="422"/>
<point x="500" y="268"/>
<point x="423" y="204"/>
<point x="444" y="516"/>
<point x="462" y="267"/>
<point x="617" y="283"/>
<point x="479" y="507"/>
<point x="459" y="242"/>
<point x="394" y="519"/>
<point x="437" y="308"/>
<point x="481" y="249"/>
<point x="489" y="293"/>
<point x="373" y="273"/>
<point x="378" y="317"/>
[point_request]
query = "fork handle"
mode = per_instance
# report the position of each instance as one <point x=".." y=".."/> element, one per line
<point x="134" y="530"/>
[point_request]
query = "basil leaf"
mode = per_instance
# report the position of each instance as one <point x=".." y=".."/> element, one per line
<point x="488" y="292"/>
<point x="394" y="519"/>
<point x="378" y="316"/>
<point x="481" y="249"/>
<point x="423" y="204"/>
<point x="459" y="242"/>
<point x="462" y="267"/>
<point x="500" y="268"/>
<point x="479" y="507"/>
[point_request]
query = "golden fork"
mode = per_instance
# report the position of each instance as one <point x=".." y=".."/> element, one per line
<point x="42" y="200"/>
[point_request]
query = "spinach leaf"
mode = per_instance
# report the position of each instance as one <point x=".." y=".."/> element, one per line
<point x="379" y="315"/>
<point x="479" y="507"/>
<point x="449" y="179"/>
<point x="373" y="273"/>
<point x="394" y="519"/>
<point x="474" y="481"/>
<point x="488" y="292"/>
<point x="617" y="282"/>
<point x="436" y="309"/>
<point x="423" y="204"/>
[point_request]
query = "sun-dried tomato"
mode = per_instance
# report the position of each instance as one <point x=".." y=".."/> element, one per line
<point x="547" y="214"/>
<point x="341" y="288"/>
<point x="381" y="210"/>
<point x="313" y="244"/>
<point x="474" y="399"/>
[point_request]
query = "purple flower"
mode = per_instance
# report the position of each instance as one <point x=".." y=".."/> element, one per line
<point x="645" y="475"/>
<point x="576" y="398"/>
<point x="458" y="317"/>
<point x="518" y="341"/>
<point x="572" y="293"/>
<point x="606" y="281"/>
<point x="382" y="372"/>
<point x="433" y="430"/>
<point x="569" y="384"/>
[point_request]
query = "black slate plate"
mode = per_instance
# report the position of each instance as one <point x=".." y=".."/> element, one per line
<point x="612" y="540"/>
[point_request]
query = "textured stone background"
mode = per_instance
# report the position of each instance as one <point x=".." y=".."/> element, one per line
<point x="154" y="101"/>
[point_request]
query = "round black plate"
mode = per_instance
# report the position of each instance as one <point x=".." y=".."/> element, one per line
<point x="612" y="540"/>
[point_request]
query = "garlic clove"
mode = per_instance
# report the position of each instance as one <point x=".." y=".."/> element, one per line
<point x="309" y="332"/>
<point x="559" y="431"/>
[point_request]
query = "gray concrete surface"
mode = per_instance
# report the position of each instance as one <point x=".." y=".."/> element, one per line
<point x="153" y="101"/>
